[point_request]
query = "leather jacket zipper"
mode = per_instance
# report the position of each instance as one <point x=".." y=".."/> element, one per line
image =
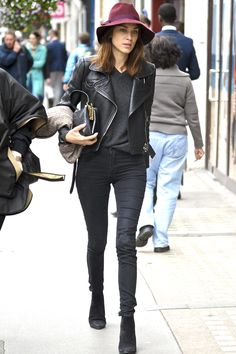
<point x="145" y="146"/>
<point x="109" y="121"/>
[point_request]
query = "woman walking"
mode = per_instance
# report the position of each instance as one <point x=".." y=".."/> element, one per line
<point x="35" y="77"/>
<point x="120" y="83"/>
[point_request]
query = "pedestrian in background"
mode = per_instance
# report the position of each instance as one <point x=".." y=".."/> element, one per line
<point x="57" y="58"/>
<point x="120" y="84"/>
<point x="15" y="58"/>
<point x="83" y="50"/>
<point x="174" y="107"/>
<point x="35" y="77"/>
<point x="146" y="20"/>
<point x="188" y="61"/>
<point x="171" y="28"/>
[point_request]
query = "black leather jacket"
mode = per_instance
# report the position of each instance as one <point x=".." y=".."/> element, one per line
<point x="97" y="84"/>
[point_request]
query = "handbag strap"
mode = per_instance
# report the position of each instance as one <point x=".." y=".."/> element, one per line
<point x="81" y="91"/>
<point x="52" y="177"/>
<point x="89" y="106"/>
<point x="76" y="163"/>
<point x="75" y="167"/>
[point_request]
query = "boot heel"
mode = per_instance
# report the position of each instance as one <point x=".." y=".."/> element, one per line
<point x="97" y="318"/>
<point x="127" y="344"/>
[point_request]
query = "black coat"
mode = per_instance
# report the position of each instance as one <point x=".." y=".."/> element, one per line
<point x="97" y="84"/>
<point x="18" y="108"/>
<point x="16" y="64"/>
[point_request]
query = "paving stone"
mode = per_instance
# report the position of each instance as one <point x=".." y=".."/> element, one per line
<point x="197" y="272"/>
<point x="195" y="286"/>
<point x="206" y="208"/>
<point x="186" y="297"/>
<point x="195" y="334"/>
<point x="2" y="351"/>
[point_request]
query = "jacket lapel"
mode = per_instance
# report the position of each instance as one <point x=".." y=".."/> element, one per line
<point x="104" y="86"/>
<point x="141" y="88"/>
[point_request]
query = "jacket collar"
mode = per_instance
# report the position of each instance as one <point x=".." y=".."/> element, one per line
<point x="169" y="28"/>
<point x="146" y="69"/>
<point x="173" y="71"/>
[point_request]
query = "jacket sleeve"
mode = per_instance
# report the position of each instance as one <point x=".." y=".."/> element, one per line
<point x="7" y="59"/>
<point x="28" y="57"/>
<point x="150" y="101"/>
<point x="21" y="107"/>
<point x="194" y="70"/>
<point x="191" y="115"/>
<point x="21" y="140"/>
<point x="75" y="84"/>
<point x="70" y="66"/>
<point x="65" y="56"/>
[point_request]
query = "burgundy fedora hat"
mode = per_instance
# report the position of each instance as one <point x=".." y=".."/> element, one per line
<point x="125" y="13"/>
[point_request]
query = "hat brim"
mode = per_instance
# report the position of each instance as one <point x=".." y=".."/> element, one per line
<point x="146" y="34"/>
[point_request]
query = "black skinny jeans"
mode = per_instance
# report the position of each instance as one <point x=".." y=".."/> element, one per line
<point x="127" y="173"/>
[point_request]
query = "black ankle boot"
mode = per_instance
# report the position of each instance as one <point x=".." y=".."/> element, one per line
<point x="97" y="318"/>
<point x="127" y="343"/>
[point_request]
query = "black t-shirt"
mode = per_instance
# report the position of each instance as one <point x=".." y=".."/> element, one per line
<point x="117" y="134"/>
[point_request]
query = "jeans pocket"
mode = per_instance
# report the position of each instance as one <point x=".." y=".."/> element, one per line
<point x="178" y="146"/>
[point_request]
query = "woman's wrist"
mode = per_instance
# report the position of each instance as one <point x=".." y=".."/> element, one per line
<point x="62" y="135"/>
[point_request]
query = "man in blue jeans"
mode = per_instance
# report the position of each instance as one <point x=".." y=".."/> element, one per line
<point x="188" y="61"/>
<point x="174" y="107"/>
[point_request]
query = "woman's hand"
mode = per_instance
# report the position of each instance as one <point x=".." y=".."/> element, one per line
<point x="199" y="153"/>
<point x="74" y="136"/>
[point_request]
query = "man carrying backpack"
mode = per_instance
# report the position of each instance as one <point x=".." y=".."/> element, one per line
<point x="83" y="50"/>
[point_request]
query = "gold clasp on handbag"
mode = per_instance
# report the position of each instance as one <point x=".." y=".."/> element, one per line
<point x="90" y="111"/>
<point x="89" y="106"/>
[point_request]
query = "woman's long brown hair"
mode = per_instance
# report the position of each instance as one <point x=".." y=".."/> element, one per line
<point x="105" y="58"/>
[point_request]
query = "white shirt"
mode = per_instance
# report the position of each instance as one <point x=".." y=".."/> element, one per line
<point x="169" y="27"/>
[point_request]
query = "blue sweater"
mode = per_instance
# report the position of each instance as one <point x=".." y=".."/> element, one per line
<point x="83" y="50"/>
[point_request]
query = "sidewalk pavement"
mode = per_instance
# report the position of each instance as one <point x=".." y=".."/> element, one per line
<point x="186" y="297"/>
<point x="194" y="285"/>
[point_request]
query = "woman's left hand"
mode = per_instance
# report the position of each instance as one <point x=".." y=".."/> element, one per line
<point x="74" y="136"/>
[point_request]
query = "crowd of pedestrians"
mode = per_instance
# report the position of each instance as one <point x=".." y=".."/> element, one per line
<point x="42" y="65"/>
<point x="140" y="85"/>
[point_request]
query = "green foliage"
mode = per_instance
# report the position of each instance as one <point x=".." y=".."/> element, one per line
<point x="25" y="15"/>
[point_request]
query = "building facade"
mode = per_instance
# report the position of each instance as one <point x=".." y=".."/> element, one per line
<point x="212" y="26"/>
<point x="221" y="87"/>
